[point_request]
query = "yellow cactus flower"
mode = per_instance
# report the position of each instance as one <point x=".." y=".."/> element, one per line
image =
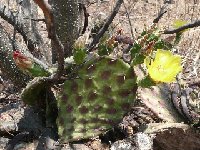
<point x="164" y="67"/>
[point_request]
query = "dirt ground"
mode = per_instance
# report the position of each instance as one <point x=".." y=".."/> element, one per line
<point x="16" y="117"/>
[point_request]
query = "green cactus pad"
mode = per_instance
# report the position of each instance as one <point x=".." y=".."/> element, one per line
<point x="97" y="101"/>
<point x="34" y="90"/>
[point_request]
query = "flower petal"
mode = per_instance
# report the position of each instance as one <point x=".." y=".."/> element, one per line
<point x="165" y="66"/>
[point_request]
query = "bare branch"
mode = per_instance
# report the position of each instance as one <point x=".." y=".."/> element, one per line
<point x="159" y="17"/>
<point x="46" y="8"/>
<point x="129" y="20"/>
<point x="27" y="29"/>
<point x="187" y="26"/>
<point x="10" y="18"/>
<point x="48" y="13"/>
<point x="43" y="20"/>
<point x="161" y="12"/>
<point x="106" y="25"/>
<point x="86" y="15"/>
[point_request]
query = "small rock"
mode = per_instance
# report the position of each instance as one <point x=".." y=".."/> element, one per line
<point x="3" y="142"/>
<point x="75" y="147"/>
<point x="176" y="136"/>
<point x="122" y="145"/>
<point x="14" y="117"/>
<point x="143" y="141"/>
<point x="98" y="145"/>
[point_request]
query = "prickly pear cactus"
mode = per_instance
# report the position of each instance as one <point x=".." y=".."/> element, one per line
<point x="157" y="98"/>
<point x="36" y="87"/>
<point x="97" y="101"/>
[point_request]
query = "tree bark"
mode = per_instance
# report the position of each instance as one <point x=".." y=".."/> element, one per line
<point x="35" y="42"/>
<point x="23" y="22"/>
<point x="66" y="14"/>
<point x="7" y="65"/>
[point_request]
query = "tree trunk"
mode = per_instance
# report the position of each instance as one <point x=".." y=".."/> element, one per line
<point x="22" y="19"/>
<point x="35" y="43"/>
<point x="7" y="64"/>
<point x="66" y="14"/>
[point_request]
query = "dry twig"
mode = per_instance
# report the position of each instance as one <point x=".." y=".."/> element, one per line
<point x="11" y="19"/>
<point x="86" y="15"/>
<point x="187" y="26"/>
<point x="48" y="13"/>
<point x="106" y="25"/>
<point x="129" y="20"/>
<point x="162" y="11"/>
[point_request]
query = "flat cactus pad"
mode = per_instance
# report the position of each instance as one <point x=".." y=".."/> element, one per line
<point x="97" y="101"/>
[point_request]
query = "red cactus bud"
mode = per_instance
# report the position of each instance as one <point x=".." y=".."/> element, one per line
<point x="18" y="54"/>
<point x="21" y="61"/>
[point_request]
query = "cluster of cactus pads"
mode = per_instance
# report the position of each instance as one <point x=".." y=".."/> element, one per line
<point x="103" y="89"/>
<point x="88" y="106"/>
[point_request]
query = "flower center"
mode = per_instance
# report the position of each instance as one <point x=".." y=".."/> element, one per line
<point x="160" y="68"/>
